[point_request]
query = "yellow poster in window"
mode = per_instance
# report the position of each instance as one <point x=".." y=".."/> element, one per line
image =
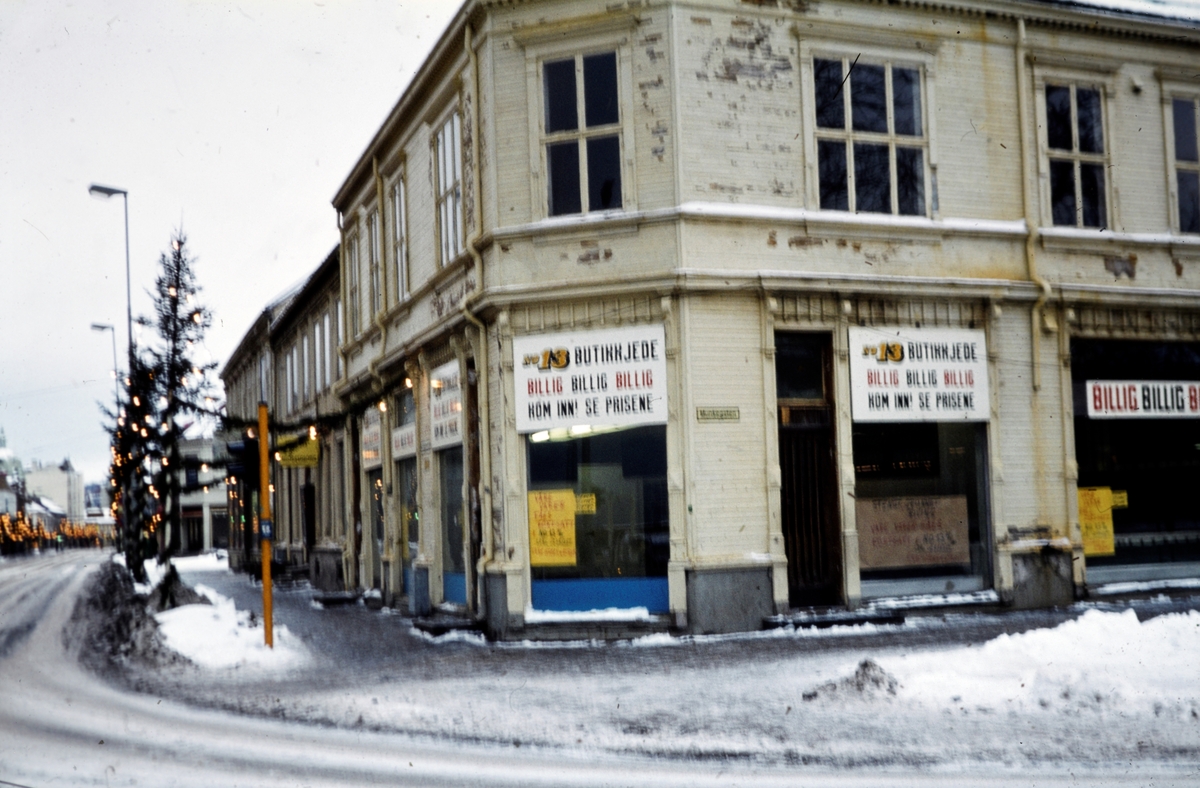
<point x="1095" y="520"/>
<point x="552" y="528"/>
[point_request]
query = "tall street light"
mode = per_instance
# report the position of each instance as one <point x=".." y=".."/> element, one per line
<point x="97" y="190"/>
<point x="116" y="369"/>
<point x="116" y="384"/>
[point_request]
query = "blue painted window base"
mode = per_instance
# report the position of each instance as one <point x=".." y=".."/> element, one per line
<point x="601" y="593"/>
<point x="454" y="587"/>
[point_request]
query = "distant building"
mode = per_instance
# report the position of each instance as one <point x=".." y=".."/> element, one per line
<point x="8" y="496"/>
<point x="62" y="484"/>
<point x="96" y="499"/>
<point x="205" y="518"/>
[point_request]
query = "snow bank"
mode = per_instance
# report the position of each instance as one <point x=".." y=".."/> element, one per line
<point x="221" y="636"/>
<point x="608" y="614"/>
<point x="208" y="562"/>
<point x="1102" y="660"/>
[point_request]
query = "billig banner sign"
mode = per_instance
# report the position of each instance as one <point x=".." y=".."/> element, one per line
<point x="1143" y="399"/>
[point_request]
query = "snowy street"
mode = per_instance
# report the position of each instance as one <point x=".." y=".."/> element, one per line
<point x="1098" y="695"/>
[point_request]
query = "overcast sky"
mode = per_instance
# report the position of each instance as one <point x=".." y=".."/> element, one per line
<point x="235" y="121"/>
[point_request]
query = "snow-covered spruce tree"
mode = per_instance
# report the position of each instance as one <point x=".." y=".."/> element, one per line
<point x="181" y="382"/>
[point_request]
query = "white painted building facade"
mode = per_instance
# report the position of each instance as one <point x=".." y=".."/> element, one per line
<point x="724" y="308"/>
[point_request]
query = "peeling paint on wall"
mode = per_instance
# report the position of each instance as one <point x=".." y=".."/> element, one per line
<point x="747" y="56"/>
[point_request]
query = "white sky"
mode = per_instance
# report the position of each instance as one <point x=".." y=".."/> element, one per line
<point x="237" y="120"/>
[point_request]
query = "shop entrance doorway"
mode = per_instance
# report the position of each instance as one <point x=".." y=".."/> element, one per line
<point x="809" y="514"/>
<point x="375" y="483"/>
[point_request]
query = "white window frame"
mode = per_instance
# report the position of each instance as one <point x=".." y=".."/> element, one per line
<point x="1104" y="82"/>
<point x="353" y="294"/>
<point x="289" y="384"/>
<point x="448" y="189"/>
<point x="264" y="369"/>
<point x="400" y="238"/>
<point x="1171" y="92"/>
<point x="609" y="36"/>
<point x="884" y="55"/>
<point x="374" y="269"/>
<point x="328" y="352"/>
<point x="304" y="367"/>
<point x="341" y="340"/>
<point x="318" y="352"/>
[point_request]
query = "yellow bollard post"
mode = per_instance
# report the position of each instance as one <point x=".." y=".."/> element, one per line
<point x="264" y="519"/>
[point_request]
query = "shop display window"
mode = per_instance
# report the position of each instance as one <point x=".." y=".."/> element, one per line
<point x="1148" y="465"/>
<point x="920" y="491"/>
<point x="618" y="480"/>
<point x="454" y="573"/>
<point x="410" y="516"/>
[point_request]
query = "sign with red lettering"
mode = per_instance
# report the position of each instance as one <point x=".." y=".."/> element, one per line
<point x="371" y="441"/>
<point x="1143" y="399"/>
<point x="918" y="374"/>
<point x="404" y="441"/>
<point x="445" y="406"/>
<point x="610" y="377"/>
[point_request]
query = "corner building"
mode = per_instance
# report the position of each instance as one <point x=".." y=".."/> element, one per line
<point x="725" y="308"/>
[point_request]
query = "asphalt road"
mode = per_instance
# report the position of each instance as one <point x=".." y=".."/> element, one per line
<point x="62" y="725"/>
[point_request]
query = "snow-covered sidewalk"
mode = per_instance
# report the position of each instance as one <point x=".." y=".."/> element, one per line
<point x="1101" y="691"/>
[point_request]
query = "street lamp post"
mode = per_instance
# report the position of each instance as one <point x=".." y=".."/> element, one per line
<point x="116" y="379"/>
<point x="97" y="190"/>
<point x="116" y="369"/>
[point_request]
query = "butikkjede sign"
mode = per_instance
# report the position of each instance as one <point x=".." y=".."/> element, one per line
<point x="608" y="377"/>
<point x="918" y="374"/>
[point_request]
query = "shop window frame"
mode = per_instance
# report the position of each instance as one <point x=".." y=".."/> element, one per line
<point x="891" y="55"/>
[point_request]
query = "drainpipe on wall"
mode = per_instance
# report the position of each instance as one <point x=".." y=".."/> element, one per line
<point x="481" y="348"/>
<point x="1031" y="219"/>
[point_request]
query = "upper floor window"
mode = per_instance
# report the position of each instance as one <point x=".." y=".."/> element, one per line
<point x="328" y="350"/>
<point x="291" y="379"/>
<point x="341" y="339"/>
<point x="400" y="239"/>
<point x="373" y="263"/>
<point x="318" y="353"/>
<point x="448" y="155"/>
<point x="583" y="160"/>
<point x="1076" y="157"/>
<point x="263" y="370"/>
<point x="1187" y="163"/>
<point x="871" y="137"/>
<point x="352" y="294"/>
<point x="304" y="367"/>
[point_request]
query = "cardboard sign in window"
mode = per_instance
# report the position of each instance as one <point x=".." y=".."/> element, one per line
<point x="919" y="530"/>
<point x="552" y="528"/>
